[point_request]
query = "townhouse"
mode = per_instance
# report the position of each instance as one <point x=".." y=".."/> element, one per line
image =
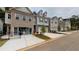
<point x="41" y="19"/>
<point x="60" y="24"/>
<point x="53" y="24"/>
<point x="19" y="20"/>
<point x="67" y="24"/>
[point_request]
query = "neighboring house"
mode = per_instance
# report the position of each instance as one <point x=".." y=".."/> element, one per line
<point x="54" y="24"/>
<point x="67" y="24"/>
<point x="19" y="20"/>
<point x="41" y="19"/>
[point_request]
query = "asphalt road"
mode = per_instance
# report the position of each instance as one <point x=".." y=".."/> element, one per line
<point x="67" y="43"/>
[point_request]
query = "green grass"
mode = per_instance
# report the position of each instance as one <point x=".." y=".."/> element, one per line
<point x="42" y="36"/>
<point x="3" y="41"/>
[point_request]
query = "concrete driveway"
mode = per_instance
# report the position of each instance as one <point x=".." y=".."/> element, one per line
<point x="18" y="43"/>
<point x="66" y="43"/>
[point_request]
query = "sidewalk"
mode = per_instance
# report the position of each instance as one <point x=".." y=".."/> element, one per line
<point x="54" y="35"/>
<point x="69" y="32"/>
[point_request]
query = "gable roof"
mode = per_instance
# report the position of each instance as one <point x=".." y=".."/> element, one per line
<point x="24" y="9"/>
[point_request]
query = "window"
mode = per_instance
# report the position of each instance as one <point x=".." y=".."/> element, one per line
<point x="24" y="18"/>
<point x="17" y="16"/>
<point x="29" y="18"/>
<point x="46" y="20"/>
<point x="9" y="16"/>
<point x="55" y="22"/>
<point x="41" y="20"/>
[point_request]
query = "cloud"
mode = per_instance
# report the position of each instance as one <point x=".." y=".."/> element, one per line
<point x="58" y="11"/>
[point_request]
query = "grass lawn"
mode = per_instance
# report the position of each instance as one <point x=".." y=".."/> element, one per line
<point x="3" y="41"/>
<point x="42" y="36"/>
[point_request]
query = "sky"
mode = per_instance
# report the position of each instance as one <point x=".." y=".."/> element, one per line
<point x="64" y="12"/>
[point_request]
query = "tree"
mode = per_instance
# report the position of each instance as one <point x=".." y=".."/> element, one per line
<point x="2" y="13"/>
<point x="74" y="22"/>
<point x="7" y="8"/>
<point x="43" y="29"/>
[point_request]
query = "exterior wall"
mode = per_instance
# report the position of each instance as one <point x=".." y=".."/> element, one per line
<point x="21" y="22"/>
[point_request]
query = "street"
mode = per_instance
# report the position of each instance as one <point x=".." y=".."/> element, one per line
<point x="67" y="43"/>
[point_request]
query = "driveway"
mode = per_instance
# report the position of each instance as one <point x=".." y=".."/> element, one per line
<point x="18" y="43"/>
<point x="66" y="43"/>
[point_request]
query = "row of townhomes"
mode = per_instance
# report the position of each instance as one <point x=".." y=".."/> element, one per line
<point x="59" y="24"/>
<point x="23" y="20"/>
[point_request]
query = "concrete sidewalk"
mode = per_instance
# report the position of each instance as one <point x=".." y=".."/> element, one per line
<point x="69" y="32"/>
<point x="54" y="35"/>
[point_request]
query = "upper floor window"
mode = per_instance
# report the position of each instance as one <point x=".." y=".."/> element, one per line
<point x="17" y="16"/>
<point x="24" y="18"/>
<point x="30" y="18"/>
<point x="41" y="20"/>
<point x="46" y="21"/>
<point x="9" y="16"/>
<point x="55" y="22"/>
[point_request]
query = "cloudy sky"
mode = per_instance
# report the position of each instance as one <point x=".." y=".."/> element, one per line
<point x="64" y="12"/>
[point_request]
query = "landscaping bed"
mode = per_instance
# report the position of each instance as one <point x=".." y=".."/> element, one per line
<point x="3" y="41"/>
<point x="42" y="36"/>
